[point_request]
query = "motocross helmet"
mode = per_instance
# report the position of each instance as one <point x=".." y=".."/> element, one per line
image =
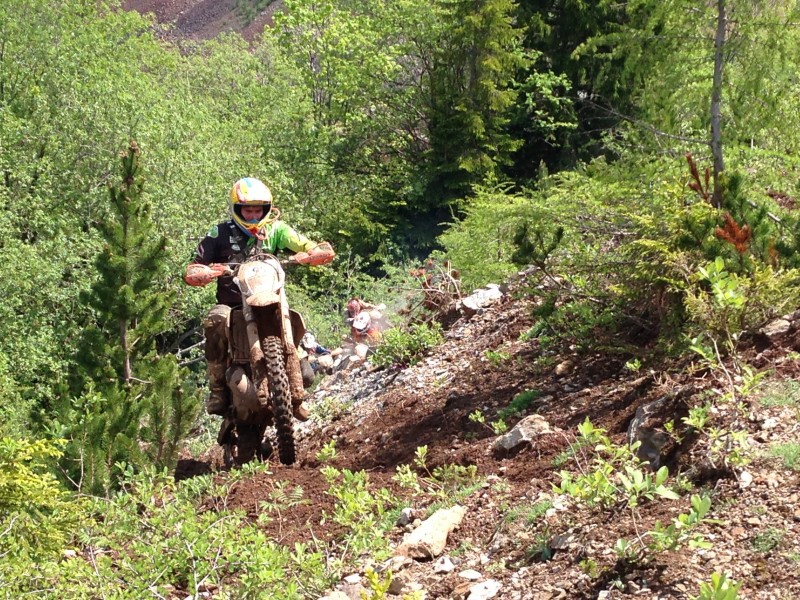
<point x="353" y="307"/>
<point x="308" y="341"/>
<point x="250" y="192"/>
<point x="362" y="322"/>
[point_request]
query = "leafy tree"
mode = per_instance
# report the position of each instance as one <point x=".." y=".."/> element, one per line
<point x="124" y="298"/>
<point x="723" y="64"/>
<point x="357" y="147"/>
<point x="580" y="90"/>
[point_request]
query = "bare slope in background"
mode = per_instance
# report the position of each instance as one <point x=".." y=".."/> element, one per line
<point x="203" y="19"/>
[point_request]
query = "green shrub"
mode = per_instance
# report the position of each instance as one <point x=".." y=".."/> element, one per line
<point x="404" y="348"/>
<point x="720" y="588"/>
<point x="788" y="453"/>
<point x="519" y="404"/>
<point x="36" y="514"/>
<point x="781" y="393"/>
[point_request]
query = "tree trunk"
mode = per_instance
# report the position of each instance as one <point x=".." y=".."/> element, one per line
<point x="126" y="353"/>
<point x="716" y="103"/>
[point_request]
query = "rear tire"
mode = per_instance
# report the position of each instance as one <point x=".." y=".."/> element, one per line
<point x="280" y="397"/>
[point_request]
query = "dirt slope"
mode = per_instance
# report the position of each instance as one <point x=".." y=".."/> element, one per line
<point x="566" y="553"/>
<point x="203" y="19"/>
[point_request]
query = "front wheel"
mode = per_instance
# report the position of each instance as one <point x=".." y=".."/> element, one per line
<point x="280" y="397"/>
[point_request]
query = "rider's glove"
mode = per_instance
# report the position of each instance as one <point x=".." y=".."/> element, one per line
<point x="321" y="254"/>
<point x="200" y="275"/>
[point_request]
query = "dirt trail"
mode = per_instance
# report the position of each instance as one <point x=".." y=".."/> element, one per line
<point x="429" y="404"/>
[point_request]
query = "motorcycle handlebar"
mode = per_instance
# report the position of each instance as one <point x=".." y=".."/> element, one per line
<point x="232" y="267"/>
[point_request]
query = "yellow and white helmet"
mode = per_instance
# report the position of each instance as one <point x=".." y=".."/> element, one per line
<point x="250" y="192"/>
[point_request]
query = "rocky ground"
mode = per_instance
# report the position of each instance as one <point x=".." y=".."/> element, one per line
<point x="517" y="538"/>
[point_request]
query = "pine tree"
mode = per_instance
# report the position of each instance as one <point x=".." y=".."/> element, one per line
<point x="130" y="406"/>
<point x="131" y="309"/>
<point x="473" y="95"/>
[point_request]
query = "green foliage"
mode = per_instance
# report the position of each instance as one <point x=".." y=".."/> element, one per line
<point x="157" y="534"/>
<point x="130" y="406"/>
<point x="679" y="532"/>
<point x="532" y="247"/>
<point x="36" y="516"/>
<point x="519" y="403"/>
<point x="497" y="427"/>
<point x="766" y="541"/>
<point x="130" y="311"/>
<point x="641" y="46"/>
<point x="329" y="408"/>
<point x="781" y="393"/>
<point x="327" y="452"/>
<point x="378" y="586"/>
<point x="364" y="512"/>
<point x="732" y="304"/>
<point x="404" y="348"/>
<point x="567" y="455"/>
<point x="473" y="93"/>
<point x="719" y="588"/>
<point x="282" y="498"/>
<point x="481" y="244"/>
<point x="171" y="410"/>
<point x="496" y="357"/>
<point x="788" y="454"/>
<point x="530" y="514"/>
<point x="723" y="446"/>
<point x="615" y="474"/>
<point x="446" y="483"/>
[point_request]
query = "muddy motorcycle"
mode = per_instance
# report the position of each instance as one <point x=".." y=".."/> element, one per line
<point x="264" y="371"/>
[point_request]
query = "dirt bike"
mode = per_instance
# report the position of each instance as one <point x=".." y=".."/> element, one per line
<point x="264" y="372"/>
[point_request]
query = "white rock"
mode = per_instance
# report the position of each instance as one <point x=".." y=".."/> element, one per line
<point x="444" y="565"/>
<point x="429" y="539"/>
<point x="484" y="590"/>
<point x="470" y="574"/>
<point x="745" y="479"/>
<point x="777" y="327"/>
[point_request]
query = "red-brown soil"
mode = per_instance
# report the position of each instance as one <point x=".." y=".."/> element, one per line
<point x="203" y="19"/>
<point x="429" y="405"/>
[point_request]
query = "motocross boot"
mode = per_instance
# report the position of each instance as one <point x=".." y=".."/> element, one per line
<point x="300" y="411"/>
<point x="217" y="401"/>
<point x="307" y="371"/>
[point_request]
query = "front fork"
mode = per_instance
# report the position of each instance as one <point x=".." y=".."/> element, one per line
<point x="290" y="350"/>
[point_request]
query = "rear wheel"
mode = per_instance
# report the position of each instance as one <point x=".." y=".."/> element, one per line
<point x="280" y="397"/>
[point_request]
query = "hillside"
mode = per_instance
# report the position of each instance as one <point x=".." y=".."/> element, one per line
<point x="203" y="19"/>
<point x="519" y="538"/>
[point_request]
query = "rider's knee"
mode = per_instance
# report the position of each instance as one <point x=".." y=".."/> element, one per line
<point x="217" y="318"/>
<point x="215" y="329"/>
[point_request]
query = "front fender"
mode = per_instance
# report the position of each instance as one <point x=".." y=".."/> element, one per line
<point x="261" y="282"/>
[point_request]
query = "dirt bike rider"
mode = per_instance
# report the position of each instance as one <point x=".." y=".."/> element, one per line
<point x="361" y="315"/>
<point x="253" y="225"/>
